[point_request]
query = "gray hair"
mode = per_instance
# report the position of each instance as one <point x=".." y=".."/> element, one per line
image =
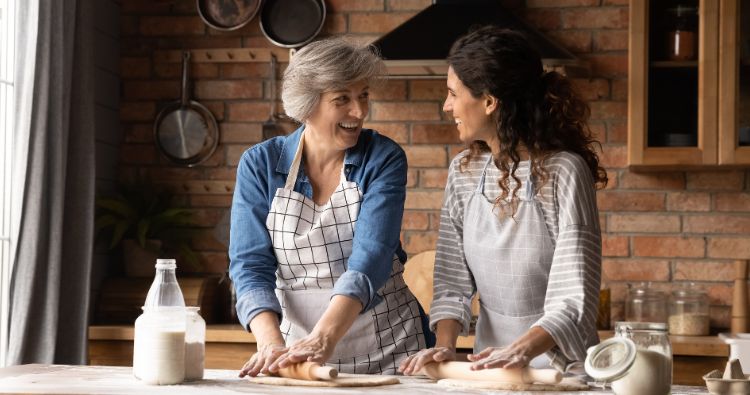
<point x="324" y="65"/>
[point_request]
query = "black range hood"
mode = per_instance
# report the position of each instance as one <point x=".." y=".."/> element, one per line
<point x="418" y="47"/>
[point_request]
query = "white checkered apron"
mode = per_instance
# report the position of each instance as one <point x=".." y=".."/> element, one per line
<point x="312" y="244"/>
<point x="510" y="260"/>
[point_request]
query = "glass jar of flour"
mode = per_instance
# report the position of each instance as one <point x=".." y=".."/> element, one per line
<point x="195" y="344"/>
<point x="636" y="361"/>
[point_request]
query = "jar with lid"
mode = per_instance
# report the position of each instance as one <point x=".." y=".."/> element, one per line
<point x="645" y="304"/>
<point x="195" y="344"/>
<point x="682" y="32"/>
<point x="688" y="311"/>
<point x="636" y="361"/>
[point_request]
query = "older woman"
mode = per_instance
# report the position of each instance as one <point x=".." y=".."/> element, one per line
<point x="519" y="222"/>
<point x="315" y="253"/>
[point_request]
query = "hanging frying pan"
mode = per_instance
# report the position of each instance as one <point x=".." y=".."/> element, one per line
<point x="292" y="23"/>
<point x="185" y="131"/>
<point x="227" y="15"/>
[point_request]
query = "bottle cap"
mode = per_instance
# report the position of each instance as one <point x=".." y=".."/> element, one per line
<point x="166" y="264"/>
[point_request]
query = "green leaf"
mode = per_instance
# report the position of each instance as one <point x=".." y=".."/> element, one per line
<point x="117" y="206"/>
<point x="120" y="229"/>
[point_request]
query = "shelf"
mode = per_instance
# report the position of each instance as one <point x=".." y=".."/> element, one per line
<point x="666" y="64"/>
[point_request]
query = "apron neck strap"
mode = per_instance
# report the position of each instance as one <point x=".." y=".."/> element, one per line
<point x="480" y="186"/>
<point x="294" y="169"/>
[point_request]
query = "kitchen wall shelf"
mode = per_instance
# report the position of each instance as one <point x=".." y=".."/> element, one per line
<point x="683" y="112"/>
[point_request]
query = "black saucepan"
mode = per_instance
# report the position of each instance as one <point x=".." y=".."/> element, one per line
<point x="227" y="14"/>
<point x="292" y="23"/>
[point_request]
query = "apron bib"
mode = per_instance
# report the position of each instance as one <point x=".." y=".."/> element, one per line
<point x="510" y="260"/>
<point x="312" y="244"/>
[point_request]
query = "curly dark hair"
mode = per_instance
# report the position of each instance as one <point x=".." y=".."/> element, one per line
<point x="538" y="110"/>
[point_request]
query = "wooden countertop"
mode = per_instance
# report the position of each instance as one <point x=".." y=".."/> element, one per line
<point x="706" y="346"/>
<point x="106" y="380"/>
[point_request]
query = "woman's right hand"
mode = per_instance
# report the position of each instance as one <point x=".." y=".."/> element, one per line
<point x="414" y="363"/>
<point x="261" y="360"/>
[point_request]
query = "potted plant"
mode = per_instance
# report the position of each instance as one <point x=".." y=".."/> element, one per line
<point x="147" y="223"/>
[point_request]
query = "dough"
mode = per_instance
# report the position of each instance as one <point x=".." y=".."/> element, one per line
<point x="567" y="384"/>
<point x="344" y="380"/>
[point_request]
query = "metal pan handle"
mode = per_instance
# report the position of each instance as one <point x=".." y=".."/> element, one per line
<point x="184" y="101"/>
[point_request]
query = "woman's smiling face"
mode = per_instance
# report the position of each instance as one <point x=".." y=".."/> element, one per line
<point x="337" y="119"/>
<point x="471" y="114"/>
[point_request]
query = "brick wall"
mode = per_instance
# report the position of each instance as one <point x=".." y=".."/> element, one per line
<point x="666" y="227"/>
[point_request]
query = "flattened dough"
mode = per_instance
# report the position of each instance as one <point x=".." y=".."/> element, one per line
<point x="344" y="380"/>
<point x="567" y="384"/>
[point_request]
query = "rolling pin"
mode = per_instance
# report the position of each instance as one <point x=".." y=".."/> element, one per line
<point x="739" y="299"/>
<point x="308" y="371"/>
<point x="461" y="370"/>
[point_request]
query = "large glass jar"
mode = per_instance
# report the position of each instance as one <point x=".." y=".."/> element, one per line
<point x="688" y="312"/>
<point x="682" y="32"/>
<point x="645" y="304"/>
<point x="195" y="344"/>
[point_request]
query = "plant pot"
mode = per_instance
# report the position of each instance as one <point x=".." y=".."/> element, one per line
<point x="139" y="261"/>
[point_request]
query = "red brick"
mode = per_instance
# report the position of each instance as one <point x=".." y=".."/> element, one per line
<point x="153" y="90"/>
<point x="726" y="224"/>
<point x="688" y="201"/>
<point x="598" y="130"/>
<point x="608" y="110"/>
<point x="137" y="154"/>
<point x="415" y="220"/>
<point x="391" y="90"/>
<point x="630" y="201"/>
<point x="405" y="111"/>
<point x="643" y="223"/>
<point x="576" y="41"/>
<point x="611" y="40"/>
<point x="617" y="131"/>
<point x="416" y="199"/>
<point x="197" y="70"/>
<point x="416" y="242"/>
<point x="620" y="89"/>
<point x="431" y="133"/>
<point x="732" y="201"/>
<point x="246" y="133"/>
<point x="245" y="70"/>
<point x="412" y="179"/>
<point x="595" y="18"/>
<point x="335" y="6"/>
<point x="615" y="245"/>
<point x="396" y="131"/>
<point x="334" y="24"/>
<point x="221" y="173"/>
<point x="210" y="200"/>
<point x="703" y="270"/>
<point x="171" y="25"/>
<point x="613" y="156"/>
<point x="146" y="7"/>
<point x="719" y="294"/>
<point x="135" y="67"/>
<point x="173" y="173"/>
<point x="426" y="156"/>
<point x="228" y="89"/>
<point x="635" y="269"/>
<point x="435" y="220"/>
<point x="455" y="150"/>
<point x="715" y="180"/>
<point x="137" y="111"/>
<point x="408" y="5"/>
<point x="427" y="90"/>
<point x="138" y="133"/>
<point x="609" y="65"/>
<point x="542" y="19"/>
<point x="560" y="3"/>
<point x="234" y="153"/>
<point x="433" y="178"/>
<point x="616" y="2"/>
<point x="248" y="111"/>
<point x="205" y="217"/>
<point x="592" y="89"/>
<point x="661" y="181"/>
<point x="206" y="241"/>
<point x="666" y="246"/>
<point x="376" y="22"/>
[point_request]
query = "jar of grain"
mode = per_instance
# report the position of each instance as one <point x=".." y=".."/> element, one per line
<point x="644" y="303"/>
<point x="688" y="312"/>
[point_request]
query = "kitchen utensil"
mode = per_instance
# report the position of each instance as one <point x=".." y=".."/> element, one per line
<point x="309" y="371"/>
<point x="185" y="131"/>
<point x="733" y="381"/>
<point x="292" y="23"/>
<point x="739" y="298"/>
<point x="461" y="370"/>
<point x="270" y="128"/>
<point x="227" y="15"/>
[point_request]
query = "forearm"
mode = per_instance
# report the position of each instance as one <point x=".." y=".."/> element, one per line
<point x="446" y="333"/>
<point x="265" y="328"/>
<point x="341" y="313"/>
<point x="534" y="342"/>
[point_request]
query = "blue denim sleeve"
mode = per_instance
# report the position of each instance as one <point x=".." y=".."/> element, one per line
<point x="377" y="232"/>
<point x="252" y="266"/>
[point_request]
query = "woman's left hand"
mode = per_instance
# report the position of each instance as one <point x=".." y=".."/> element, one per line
<point x="499" y="357"/>
<point x="312" y="348"/>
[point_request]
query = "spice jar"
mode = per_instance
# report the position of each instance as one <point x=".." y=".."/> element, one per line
<point x="645" y="304"/>
<point x="682" y="21"/>
<point x="636" y="361"/>
<point x="195" y="344"/>
<point x="688" y="312"/>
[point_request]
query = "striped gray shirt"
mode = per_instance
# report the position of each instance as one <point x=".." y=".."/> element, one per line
<point x="568" y="203"/>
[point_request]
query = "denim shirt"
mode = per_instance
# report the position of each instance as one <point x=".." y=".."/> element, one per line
<point x="378" y="166"/>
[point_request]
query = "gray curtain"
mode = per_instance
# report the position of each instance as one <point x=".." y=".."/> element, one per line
<point x="52" y="265"/>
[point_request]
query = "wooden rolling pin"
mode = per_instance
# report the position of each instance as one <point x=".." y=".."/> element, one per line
<point x="739" y="322"/>
<point x="461" y="370"/>
<point x="308" y="371"/>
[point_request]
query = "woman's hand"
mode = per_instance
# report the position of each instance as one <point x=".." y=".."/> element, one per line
<point x="414" y="363"/>
<point x="262" y="360"/>
<point x="312" y="348"/>
<point x="499" y="357"/>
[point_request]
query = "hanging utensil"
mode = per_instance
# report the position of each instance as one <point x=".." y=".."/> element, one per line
<point x="185" y="131"/>
<point x="292" y="23"/>
<point x="227" y="15"/>
<point x="270" y="128"/>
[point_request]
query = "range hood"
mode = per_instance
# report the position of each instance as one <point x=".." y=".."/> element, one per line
<point x="418" y="47"/>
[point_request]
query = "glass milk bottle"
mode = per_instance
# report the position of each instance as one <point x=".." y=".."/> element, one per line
<point x="195" y="344"/>
<point x="159" y="342"/>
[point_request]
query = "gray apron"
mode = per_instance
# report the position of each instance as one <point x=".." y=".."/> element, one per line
<point x="510" y="260"/>
<point x="312" y="244"/>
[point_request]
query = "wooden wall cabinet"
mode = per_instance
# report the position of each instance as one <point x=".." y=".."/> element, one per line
<point x="689" y="83"/>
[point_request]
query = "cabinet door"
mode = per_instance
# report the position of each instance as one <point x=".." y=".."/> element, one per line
<point x="734" y="88"/>
<point x="672" y="104"/>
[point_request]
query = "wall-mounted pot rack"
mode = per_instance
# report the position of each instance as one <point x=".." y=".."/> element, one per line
<point x="225" y="55"/>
